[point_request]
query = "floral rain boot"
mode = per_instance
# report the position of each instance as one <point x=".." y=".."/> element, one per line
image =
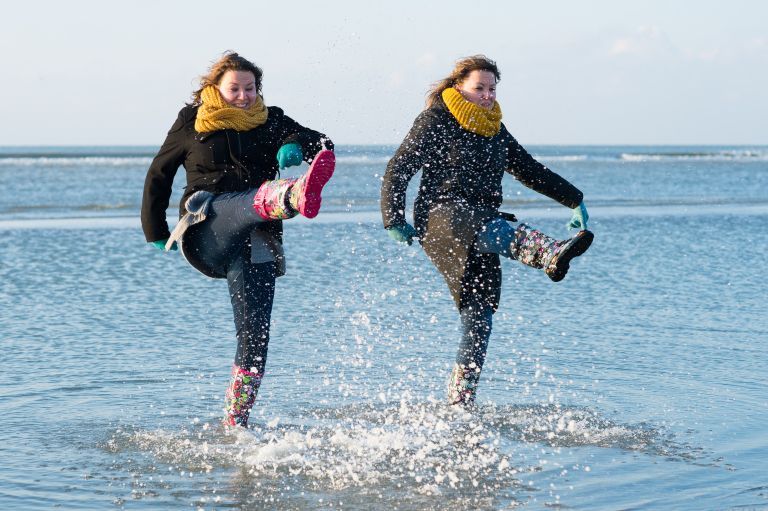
<point x="305" y="193"/>
<point x="462" y="386"/>
<point x="271" y="200"/>
<point x="240" y="396"/>
<point x="285" y="198"/>
<point x="536" y="249"/>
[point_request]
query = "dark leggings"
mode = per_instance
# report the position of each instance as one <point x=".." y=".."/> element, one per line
<point x="477" y="319"/>
<point x="252" y="291"/>
<point x="476" y="324"/>
<point x="223" y="241"/>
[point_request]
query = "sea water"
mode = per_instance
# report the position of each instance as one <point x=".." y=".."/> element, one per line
<point x="638" y="382"/>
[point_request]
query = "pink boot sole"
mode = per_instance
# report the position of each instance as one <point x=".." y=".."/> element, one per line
<point x="315" y="179"/>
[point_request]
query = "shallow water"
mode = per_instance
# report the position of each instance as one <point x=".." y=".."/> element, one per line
<point x="636" y="383"/>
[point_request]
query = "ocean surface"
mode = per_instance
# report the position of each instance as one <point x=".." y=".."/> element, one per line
<point x="639" y="382"/>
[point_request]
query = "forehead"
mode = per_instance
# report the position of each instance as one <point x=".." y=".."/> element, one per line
<point x="481" y="76"/>
<point x="237" y="77"/>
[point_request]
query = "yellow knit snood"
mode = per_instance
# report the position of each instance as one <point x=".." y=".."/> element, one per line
<point x="472" y="117"/>
<point x="215" y="114"/>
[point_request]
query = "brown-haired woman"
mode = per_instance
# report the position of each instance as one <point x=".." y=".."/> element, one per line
<point x="232" y="146"/>
<point x="463" y="149"/>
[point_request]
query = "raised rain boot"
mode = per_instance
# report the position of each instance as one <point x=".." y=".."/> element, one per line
<point x="240" y="396"/>
<point x="271" y="200"/>
<point x="305" y="193"/>
<point x="462" y="386"/>
<point x="285" y="198"/>
<point x="534" y="248"/>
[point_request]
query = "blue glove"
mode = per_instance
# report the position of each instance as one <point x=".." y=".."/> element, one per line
<point x="579" y="218"/>
<point x="402" y="233"/>
<point x="289" y="155"/>
<point x="160" y="244"/>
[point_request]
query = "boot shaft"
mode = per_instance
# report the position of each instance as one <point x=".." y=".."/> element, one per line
<point x="272" y="202"/>
<point x="534" y="248"/>
<point x="241" y="394"/>
<point x="462" y="385"/>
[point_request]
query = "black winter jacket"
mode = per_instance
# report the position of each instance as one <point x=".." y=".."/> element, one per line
<point x="219" y="161"/>
<point x="460" y="191"/>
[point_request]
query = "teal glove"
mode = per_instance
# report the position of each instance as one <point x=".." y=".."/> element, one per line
<point x="160" y="244"/>
<point x="579" y="218"/>
<point x="402" y="233"/>
<point x="289" y="155"/>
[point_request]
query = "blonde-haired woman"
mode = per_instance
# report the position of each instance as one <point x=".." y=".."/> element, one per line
<point x="232" y="147"/>
<point x="463" y="149"/>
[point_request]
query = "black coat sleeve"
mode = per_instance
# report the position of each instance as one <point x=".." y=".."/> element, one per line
<point x="407" y="161"/>
<point x="311" y="141"/>
<point x="159" y="180"/>
<point x="538" y="177"/>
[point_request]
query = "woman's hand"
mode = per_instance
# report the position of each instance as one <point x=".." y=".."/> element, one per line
<point x="289" y="155"/>
<point x="402" y="233"/>
<point x="160" y="244"/>
<point x="579" y="218"/>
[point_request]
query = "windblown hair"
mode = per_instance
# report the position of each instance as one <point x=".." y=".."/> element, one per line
<point x="460" y="72"/>
<point x="230" y="61"/>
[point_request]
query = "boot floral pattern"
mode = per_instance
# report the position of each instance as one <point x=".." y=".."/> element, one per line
<point x="462" y="386"/>
<point x="270" y="201"/>
<point x="285" y="198"/>
<point x="534" y="248"/>
<point x="241" y="394"/>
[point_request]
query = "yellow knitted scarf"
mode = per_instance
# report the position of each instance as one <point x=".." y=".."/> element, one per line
<point x="215" y="114"/>
<point x="472" y="117"/>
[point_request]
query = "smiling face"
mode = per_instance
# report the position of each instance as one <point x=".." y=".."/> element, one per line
<point x="479" y="87"/>
<point x="238" y="88"/>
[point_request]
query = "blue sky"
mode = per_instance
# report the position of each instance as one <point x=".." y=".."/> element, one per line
<point x="587" y="72"/>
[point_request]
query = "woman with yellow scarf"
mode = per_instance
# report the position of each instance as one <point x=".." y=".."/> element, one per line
<point x="463" y="149"/>
<point x="232" y="147"/>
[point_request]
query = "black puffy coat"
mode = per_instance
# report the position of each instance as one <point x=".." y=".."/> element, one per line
<point x="219" y="161"/>
<point x="460" y="191"/>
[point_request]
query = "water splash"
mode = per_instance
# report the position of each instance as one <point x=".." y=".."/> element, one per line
<point x="404" y="453"/>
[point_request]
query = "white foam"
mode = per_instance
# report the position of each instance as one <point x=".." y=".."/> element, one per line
<point x="122" y="222"/>
<point x="400" y="448"/>
<point x="79" y="161"/>
<point x="363" y="159"/>
<point x="565" y="157"/>
<point x="374" y="217"/>
<point x="715" y="156"/>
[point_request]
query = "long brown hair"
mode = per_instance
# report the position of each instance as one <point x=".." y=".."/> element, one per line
<point x="461" y="70"/>
<point x="230" y="61"/>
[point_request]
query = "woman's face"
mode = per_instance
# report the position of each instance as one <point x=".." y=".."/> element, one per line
<point x="238" y="88"/>
<point x="479" y="87"/>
